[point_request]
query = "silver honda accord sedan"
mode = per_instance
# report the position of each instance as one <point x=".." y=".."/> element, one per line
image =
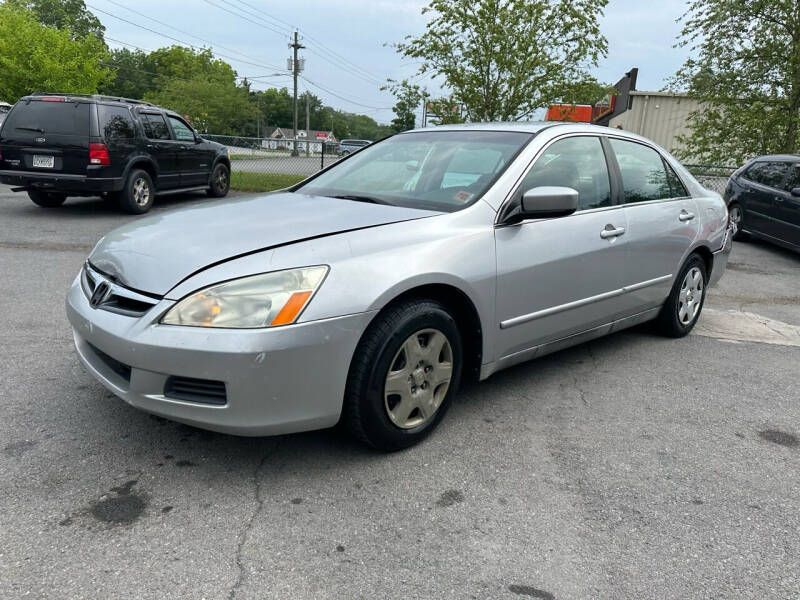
<point x="368" y="292"/>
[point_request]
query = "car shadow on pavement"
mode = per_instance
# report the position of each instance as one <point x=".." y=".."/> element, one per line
<point x="471" y="410"/>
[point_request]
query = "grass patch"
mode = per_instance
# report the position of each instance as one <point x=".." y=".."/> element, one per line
<point x="258" y="156"/>
<point x="262" y="182"/>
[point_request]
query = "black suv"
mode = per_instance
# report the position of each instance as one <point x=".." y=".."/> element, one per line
<point x="764" y="200"/>
<point x="54" y="146"/>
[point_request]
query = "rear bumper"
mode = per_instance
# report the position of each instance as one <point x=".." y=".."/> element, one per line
<point x="721" y="256"/>
<point x="61" y="182"/>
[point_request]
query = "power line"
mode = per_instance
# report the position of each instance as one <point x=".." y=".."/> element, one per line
<point x="311" y="39"/>
<point x="340" y="63"/>
<point x="270" y="28"/>
<point x="331" y="92"/>
<point x="242" y="77"/>
<point x="182" y="42"/>
<point x="212" y="44"/>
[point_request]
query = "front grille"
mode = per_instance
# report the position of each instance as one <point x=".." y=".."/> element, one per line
<point x="118" y="367"/>
<point x="119" y="300"/>
<point x="202" y="391"/>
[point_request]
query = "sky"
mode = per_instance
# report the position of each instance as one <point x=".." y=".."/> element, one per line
<point x="348" y="53"/>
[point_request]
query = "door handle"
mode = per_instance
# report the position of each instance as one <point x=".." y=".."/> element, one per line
<point x="778" y="199"/>
<point x="685" y="216"/>
<point x="612" y="232"/>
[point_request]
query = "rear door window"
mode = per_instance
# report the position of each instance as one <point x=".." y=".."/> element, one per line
<point x="769" y="173"/>
<point x="155" y="127"/>
<point x="115" y="123"/>
<point x="675" y="184"/>
<point x="644" y="176"/>
<point x="47" y="118"/>
<point x="794" y="178"/>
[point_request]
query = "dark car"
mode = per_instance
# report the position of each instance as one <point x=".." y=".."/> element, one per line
<point x="763" y="200"/>
<point x="54" y="146"/>
<point x="347" y="147"/>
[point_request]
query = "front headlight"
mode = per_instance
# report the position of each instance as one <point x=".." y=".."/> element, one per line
<point x="266" y="300"/>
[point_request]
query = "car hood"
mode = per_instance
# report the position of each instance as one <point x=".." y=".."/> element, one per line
<point x="155" y="253"/>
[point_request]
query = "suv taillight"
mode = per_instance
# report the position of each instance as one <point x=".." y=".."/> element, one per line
<point x="98" y="154"/>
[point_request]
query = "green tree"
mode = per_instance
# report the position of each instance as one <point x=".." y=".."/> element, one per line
<point x="36" y="58"/>
<point x="131" y="78"/>
<point x="503" y="59"/>
<point x="71" y="15"/>
<point x="212" y="106"/>
<point x="744" y="67"/>
<point x="409" y="97"/>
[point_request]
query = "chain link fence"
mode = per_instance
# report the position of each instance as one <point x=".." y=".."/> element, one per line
<point x="264" y="164"/>
<point x="713" y="177"/>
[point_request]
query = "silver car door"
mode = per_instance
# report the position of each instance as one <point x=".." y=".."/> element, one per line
<point x="557" y="277"/>
<point x="663" y="223"/>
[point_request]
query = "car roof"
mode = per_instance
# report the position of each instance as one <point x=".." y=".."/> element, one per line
<point x="535" y="127"/>
<point x="790" y="157"/>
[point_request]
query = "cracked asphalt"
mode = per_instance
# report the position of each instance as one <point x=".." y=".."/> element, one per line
<point x="631" y="467"/>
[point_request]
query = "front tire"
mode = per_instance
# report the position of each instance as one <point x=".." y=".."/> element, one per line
<point x="46" y="199"/>
<point x="404" y="374"/>
<point x="220" y="182"/>
<point x="138" y="194"/>
<point x="682" y="309"/>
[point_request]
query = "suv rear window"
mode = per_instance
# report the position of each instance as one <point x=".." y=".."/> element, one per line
<point x="50" y="118"/>
<point x="115" y="123"/>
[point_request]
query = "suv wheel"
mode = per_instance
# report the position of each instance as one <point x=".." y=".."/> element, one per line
<point x="138" y="194"/>
<point x="405" y="372"/>
<point x="47" y="199"/>
<point x="220" y="182"/>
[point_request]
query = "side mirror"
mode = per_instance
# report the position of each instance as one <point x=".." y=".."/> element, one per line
<point x="796" y="192"/>
<point x="547" y="201"/>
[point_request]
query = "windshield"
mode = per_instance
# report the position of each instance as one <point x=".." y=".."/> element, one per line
<point x="438" y="170"/>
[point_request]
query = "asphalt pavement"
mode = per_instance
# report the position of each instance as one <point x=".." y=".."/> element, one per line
<point x="632" y="467"/>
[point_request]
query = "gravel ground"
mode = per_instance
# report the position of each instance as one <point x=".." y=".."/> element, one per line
<point x="631" y="467"/>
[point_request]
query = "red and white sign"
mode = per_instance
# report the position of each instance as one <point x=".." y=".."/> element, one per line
<point x="321" y="135"/>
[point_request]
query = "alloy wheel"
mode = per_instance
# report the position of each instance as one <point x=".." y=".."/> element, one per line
<point x="735" y="215"/>
<point x="141" y="192"/>
<point x="691" y="296"/>
<point x="418" y="378"/>
<point x="222" y="180"/>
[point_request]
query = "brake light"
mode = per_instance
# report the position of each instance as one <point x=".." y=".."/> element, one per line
<point x="98" y="154"/>
<point x="52" y="99"/>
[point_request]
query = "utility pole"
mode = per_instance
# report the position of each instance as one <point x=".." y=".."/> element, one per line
<point x="295" y="70"/>
<point x="308" y="125"/>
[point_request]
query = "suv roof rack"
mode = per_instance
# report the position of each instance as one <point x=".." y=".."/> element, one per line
<point x="95" y="97"/>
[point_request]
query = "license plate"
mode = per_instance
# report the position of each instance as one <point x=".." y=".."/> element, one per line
<point x="43" y="162"/>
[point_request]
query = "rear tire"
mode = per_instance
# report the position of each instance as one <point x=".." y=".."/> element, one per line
<point x="682" y="309"/>
<point x="416" y="345"/>
<point x="736" y="216"/>
<point x="138" y="194"/>
<point x="47" y="199"/>
<point x="220" y="182"/>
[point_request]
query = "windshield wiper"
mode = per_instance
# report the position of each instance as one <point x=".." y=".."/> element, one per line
<point x="370" y="199"/>
<point x="39" y="129"/>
